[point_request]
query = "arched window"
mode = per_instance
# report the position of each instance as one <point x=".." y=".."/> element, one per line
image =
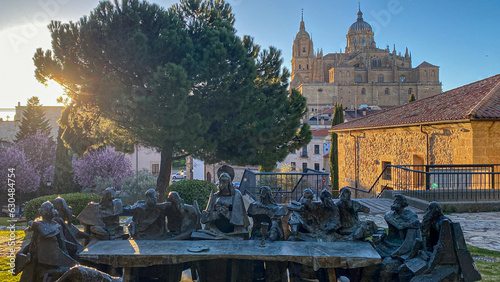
<point x="387" y="91"/>
<point x="354" y="41"/>
<point x="402" y="78"/>
<point x="410" y="91"/>
<point x="380" y="78"/>
<point x="363" y="41"/>
<point x="358" y="78"/>
<point x="370" y="42"/>
<point x="363" y="91"/>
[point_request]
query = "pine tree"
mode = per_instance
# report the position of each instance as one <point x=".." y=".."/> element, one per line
<point x="33" y="120"/>
<point x="412" y="98"/>
<point x="180" y="80"/>
<point x="338" y="118"/>
<point x="63" y="174"/>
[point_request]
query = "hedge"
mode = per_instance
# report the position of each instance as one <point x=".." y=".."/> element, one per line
<point x="78" y="201"/>
<point x="193" y="189"/>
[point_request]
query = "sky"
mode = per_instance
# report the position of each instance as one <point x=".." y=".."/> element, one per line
<point x="460" y="36"/>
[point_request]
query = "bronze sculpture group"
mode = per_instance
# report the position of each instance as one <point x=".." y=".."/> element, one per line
<point x="433" y="250"/>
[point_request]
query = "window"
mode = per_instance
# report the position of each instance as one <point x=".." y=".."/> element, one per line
<point x="387" y="171"/>
<point x="316" y="166"/>
<point x="293" y="166"/>
<point x="358" y="78"/>
<point x="303" y="49"/>
<point x="402" y="78"/>
<point x="354" y="41"/>
<point x="304" y="167"/>
<point x="307" y="66"/>
<point x="304" y="152"/>
<point x="300" y="67"/>
<point x="363" y="41"/>
<point x="316" y="149"/>
<point x="293" y="152"/>
<point x="380" y="78"/>
<point x="363" y="91"/>
<point x="370" y="42"/>
<point x="155" y="169"/>
<point x="387" y="91"/>
<point x="410" y="91"/>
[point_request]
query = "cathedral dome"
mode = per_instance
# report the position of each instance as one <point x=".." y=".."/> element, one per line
<point x="360" y="24"/>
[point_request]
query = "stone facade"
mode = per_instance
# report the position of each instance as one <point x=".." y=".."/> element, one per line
<point x="363" y="154"/>
<point x="361" y="75"/>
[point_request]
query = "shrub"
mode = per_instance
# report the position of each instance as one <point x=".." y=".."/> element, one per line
<point x="191" y="190"/>
<point x="134" y="188"/>
<point x="78" y="201"/>
<point x="100" y="185"/>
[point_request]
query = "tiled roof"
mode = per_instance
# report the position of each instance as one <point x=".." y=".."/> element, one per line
<point x="320" y="132"/>
<point x="426" y="65"/>
<point x="478" y="100"/>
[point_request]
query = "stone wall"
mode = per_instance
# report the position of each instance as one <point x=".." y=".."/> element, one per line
<point x="486" y="142"/>
<point x="360" y="165"/>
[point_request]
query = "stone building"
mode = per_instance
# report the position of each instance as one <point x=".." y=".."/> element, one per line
<point x="362" y="74"/>
<point x="312" y="155"/>
<point x="459" y="126"/>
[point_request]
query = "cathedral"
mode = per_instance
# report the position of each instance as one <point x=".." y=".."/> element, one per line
<point x="361" y="75"/>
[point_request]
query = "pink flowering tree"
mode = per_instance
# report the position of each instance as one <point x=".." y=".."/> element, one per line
<point x="104" y="163"/>
<point x="13" y="160"/>
<point x="40" y="153"/>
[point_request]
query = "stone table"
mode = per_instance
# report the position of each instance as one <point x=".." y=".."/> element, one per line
<point x="143" y="253"/>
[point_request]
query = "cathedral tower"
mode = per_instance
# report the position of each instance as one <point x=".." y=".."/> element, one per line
<point x="302" y="56"/>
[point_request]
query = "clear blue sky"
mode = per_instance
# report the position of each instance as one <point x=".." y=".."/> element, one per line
<point x="461" y="36"/>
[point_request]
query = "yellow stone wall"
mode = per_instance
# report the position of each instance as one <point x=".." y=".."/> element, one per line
<point x="437" y="144"/>
<point x="486" y="142"/>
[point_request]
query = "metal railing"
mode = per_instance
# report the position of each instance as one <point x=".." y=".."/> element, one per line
<point x="284" y="186"/>
<point x="441" y="182"/>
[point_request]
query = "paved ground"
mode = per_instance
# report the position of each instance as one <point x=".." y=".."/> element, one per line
<point x="480" y="229"/>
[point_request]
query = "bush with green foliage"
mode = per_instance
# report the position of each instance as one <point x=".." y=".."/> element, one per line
<point x="101" y="184"/>
<point x="193" y="189"/>
<point x="134" y="188"/>
<point x="78" y="201"/>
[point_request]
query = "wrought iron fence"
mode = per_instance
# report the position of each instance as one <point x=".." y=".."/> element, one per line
<point x="284" y="186"/>
<point x="442" y="182"/>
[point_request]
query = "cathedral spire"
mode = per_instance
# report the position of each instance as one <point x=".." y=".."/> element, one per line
<point x="302" y="24"/>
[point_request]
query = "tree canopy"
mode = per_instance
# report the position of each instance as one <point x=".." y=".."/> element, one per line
<point x="178" y="79"/>
<point x="33" y="120"/>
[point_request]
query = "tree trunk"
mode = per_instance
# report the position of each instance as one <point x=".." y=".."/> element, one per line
<point x="165" y="172"/>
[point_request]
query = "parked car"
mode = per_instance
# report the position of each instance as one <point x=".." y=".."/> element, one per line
<point x="179" y="175"/>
